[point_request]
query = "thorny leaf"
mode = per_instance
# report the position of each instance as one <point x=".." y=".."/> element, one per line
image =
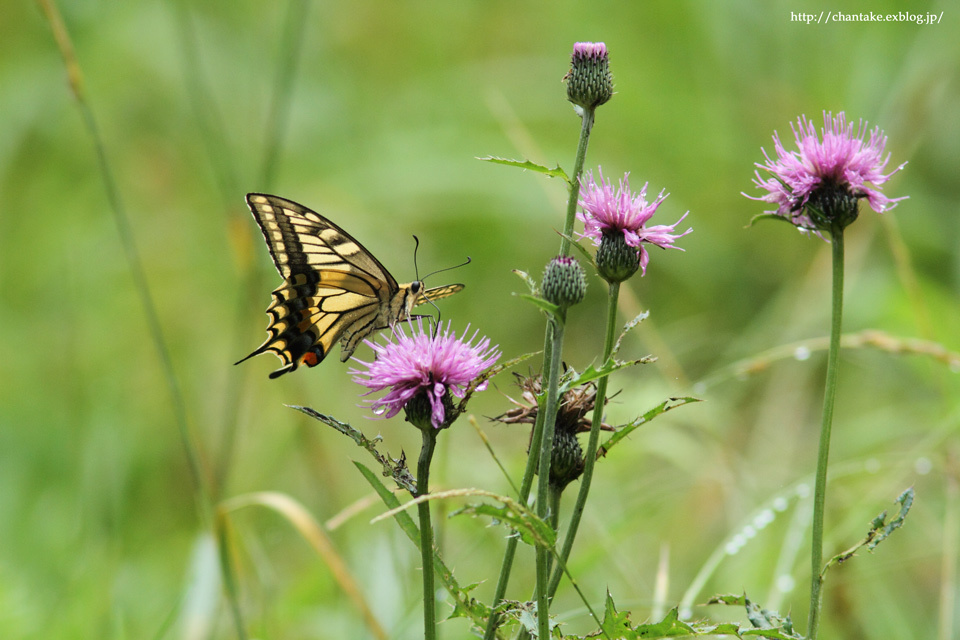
<point x="626" y="329"/>
<point x="880" y="529"/>
<point x="622" y="432"/>
<point x="395" y="468"/>
<point x="552" y="309"/>
<point x="766" y="623"/>
<point x="556" y="172"/>
<point x="617" y="626"/>
<point x="531" y="283"/>
<point x="532" y="529"/>
<point x="592" y="373"/>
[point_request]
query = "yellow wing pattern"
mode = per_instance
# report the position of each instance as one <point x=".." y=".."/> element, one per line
<point x="333" y="288"/>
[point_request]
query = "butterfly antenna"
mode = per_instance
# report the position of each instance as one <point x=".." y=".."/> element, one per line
<point x="416" y="272"/>
<point x="416" y="247"/>
<point x="456" y="266"/>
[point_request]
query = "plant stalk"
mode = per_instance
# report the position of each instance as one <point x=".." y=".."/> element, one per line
<point x="552" y="349"/>
<point x="586" y="126"/>
<point x="829" y="397"/>
<point x="590" y="457"/>
<point x="543" y="470"/>
<point x="426" y="532"/>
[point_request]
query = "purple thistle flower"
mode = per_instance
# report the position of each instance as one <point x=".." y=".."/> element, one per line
<point x="609" y="212"/>
<point x="595" y="50"/>
<point x="424" y="363"/>
<point x="827" y="169"/>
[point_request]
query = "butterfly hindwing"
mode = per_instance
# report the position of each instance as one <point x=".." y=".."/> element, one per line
<point x="333" y="289"/>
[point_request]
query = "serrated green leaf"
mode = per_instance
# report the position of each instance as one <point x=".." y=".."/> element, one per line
<point x="528" y="620"/>
<point x="729" y="599"/>
<point x="880" y="529"/>
<point x="532" y="530"/>
<point x="905" y="500"/>
<point x="766" y="623"/>
<point x="530" y="282"/>
<point x="724" y="628"/>
<point x="773" y="634"/>
<point x="551" y="309"/>
<point x="622" y="432"/>
<point x="626" y="329"/>
<point x="392" y="468"/>
<point x="670" y="627"/>
<point x="592" y="373"/>
<point x="616" y="625"/>
<point x="556" y="172"/>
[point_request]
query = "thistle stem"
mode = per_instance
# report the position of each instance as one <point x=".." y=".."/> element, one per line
<point x="555" y="494"/>
<point x="552" y="349"/>
<point x="830" y="394"/>
<point x="525" y="486"/>
<point x="543" y="472"/>
<point x="426" y="532"/>
<point x="590" y="457"/>
<point x="586" y="127"/>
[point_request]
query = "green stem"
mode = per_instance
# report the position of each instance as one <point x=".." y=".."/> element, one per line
<point x="555" y="494"/>
<point x="543" y="471"/>
<point x="552" y="345"/>
<point x="830" y="394"/>
<point x="426" y="532"/>
<point x="525" y="486"/>
<point x="586" y="126"/>
<point x="590" y="457"/>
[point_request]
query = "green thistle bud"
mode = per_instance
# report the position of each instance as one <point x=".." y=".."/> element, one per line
<point x="564" y="282"/>
<point x="616" y="260"/>
<point x="589" y="81"/>
<point x="566" y="464"/>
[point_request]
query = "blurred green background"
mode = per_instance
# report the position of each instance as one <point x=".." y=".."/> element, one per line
<point x="377" y="122"/>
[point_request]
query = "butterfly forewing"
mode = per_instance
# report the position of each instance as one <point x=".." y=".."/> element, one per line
<point x="301" y="240"/>
<point x="333" y="289"/>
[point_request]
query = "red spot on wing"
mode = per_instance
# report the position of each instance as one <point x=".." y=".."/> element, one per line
<point x="311" y="358"/>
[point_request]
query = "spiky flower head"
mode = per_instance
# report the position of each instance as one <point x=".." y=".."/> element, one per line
<point x="616" y="221"/>
<point x="564" y="283"/>
<point x="820" y="185"/>
<point x="589" y="81"/>
<point x="420" y="372"/>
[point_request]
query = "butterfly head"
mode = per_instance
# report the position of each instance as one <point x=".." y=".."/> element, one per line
<point x="415" y="296"/>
